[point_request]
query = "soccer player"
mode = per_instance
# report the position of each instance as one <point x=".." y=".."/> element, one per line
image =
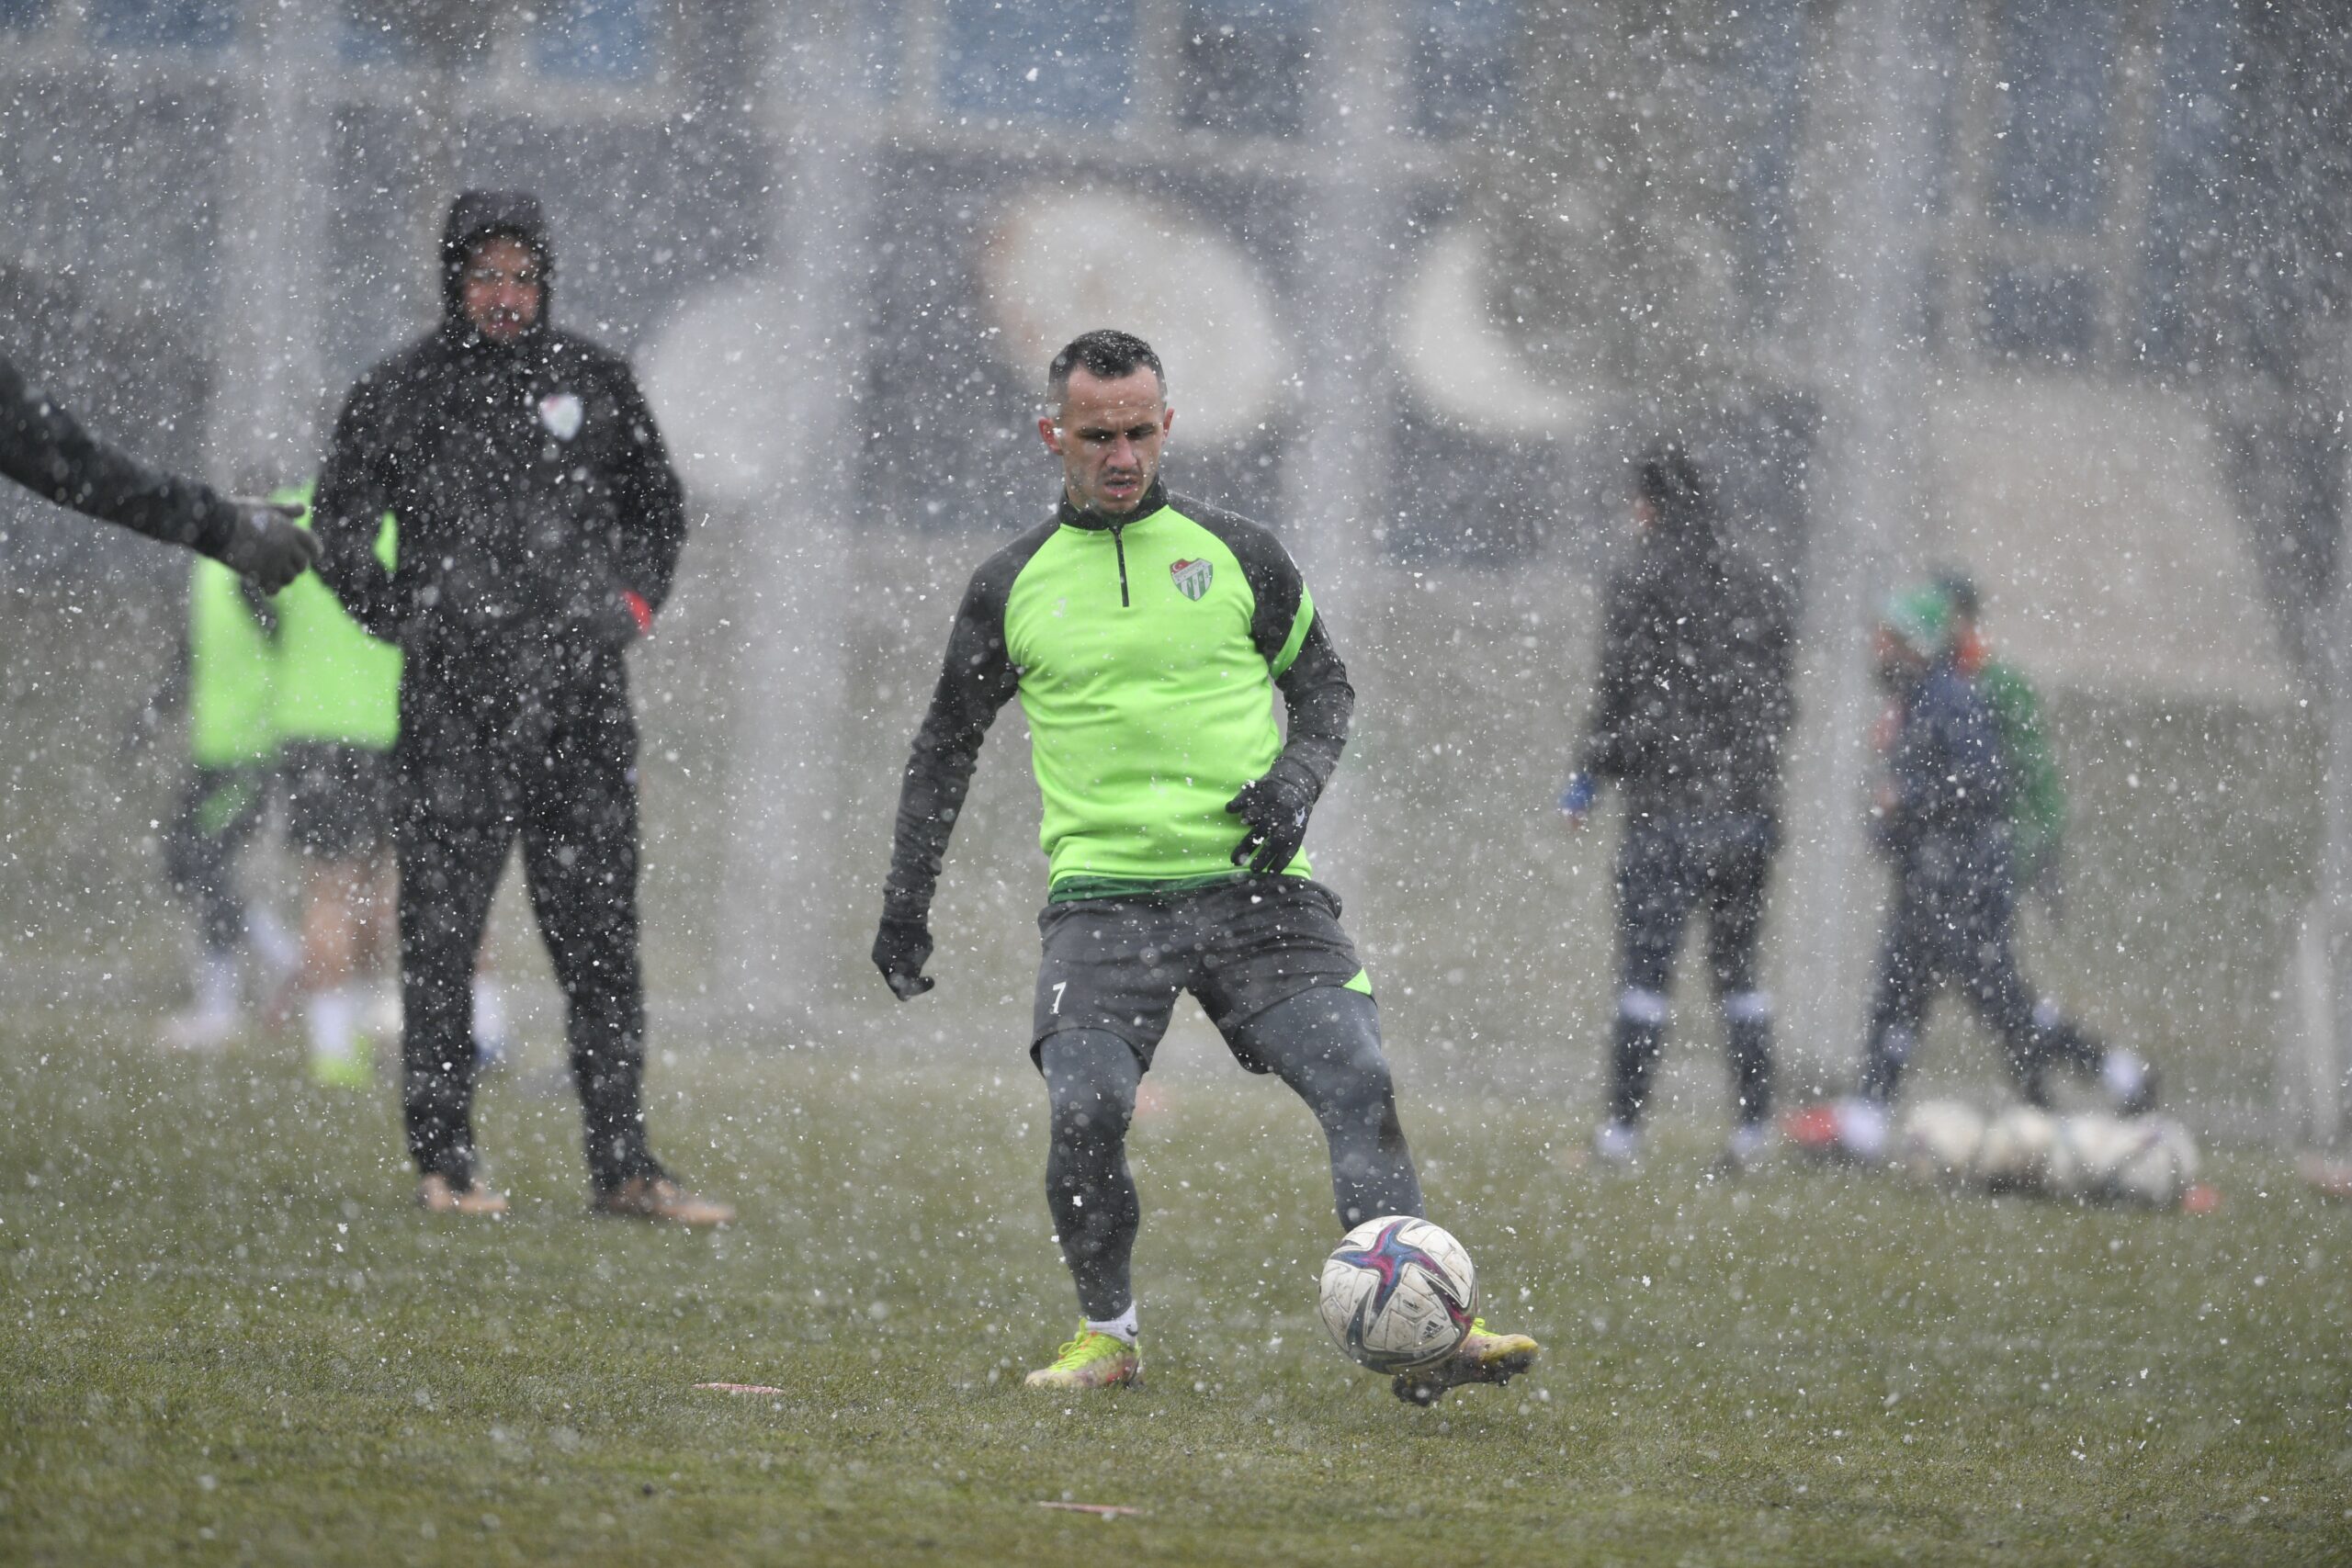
<point x="1146" y="636"/>
<point x="225" y="681"/>
<point x="1692" y="709"/>
<point x="539" y="525"/>
<point x="45" y="449"/>
<point x="338" y="713"/>
<point x="1943" y="818"/>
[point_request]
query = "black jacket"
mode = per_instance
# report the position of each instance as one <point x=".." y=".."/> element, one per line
<point x="46" y="450"/>
<point x="1947" y="770"/>
<point x="1694" y="699"/>
<point x="530" y="485"/>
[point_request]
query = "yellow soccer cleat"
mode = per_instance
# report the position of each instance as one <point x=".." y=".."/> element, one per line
<point x="1481" y="1357"/>
<point x="354" y="1070"/>
<point x="1093" y="1360"/>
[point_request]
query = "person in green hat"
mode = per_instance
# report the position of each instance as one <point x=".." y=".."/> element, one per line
<point x="337" y="711"/>
<point x="1943" y="816"/>
<point x="225" y="682"/>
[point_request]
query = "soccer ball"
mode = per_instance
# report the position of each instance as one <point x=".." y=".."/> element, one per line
<point x="1939" y="1140"/>
<point x="2090" y="1148"/>
<point x="1399" y="1294"/>
<point x="2145" y="1160"/>
<point x="2016" y="1152"/>
<point x="2162" y="1166"/>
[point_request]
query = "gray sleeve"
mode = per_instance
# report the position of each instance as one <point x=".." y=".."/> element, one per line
<point x="976" y="678"/>
<point x="44" y="448"/>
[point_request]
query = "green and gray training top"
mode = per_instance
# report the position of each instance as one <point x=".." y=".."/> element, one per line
<point x="1146" y="651"/>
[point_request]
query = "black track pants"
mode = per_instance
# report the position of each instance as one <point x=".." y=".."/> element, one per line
<point x="1324" y="1044"/>
<point x="561" y="776"/>
<point x="1670" y="870"/>
<point x="1953" y="922"/>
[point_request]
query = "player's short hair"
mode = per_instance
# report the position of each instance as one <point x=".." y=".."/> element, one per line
<point x="1105" y="351"/>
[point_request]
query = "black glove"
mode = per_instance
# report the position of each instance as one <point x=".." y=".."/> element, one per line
<point x="268" y="547"/>
<point x="1275" y="808"/>
<point x="900" y="949"/>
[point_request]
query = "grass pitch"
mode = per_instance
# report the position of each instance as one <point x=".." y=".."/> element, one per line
<point x="231" y="1338"/>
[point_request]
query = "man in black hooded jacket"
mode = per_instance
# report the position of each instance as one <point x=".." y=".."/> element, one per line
<point x="45" y="449"/>
<point x="539" y="525"/>
<point x="1692" y="709"/>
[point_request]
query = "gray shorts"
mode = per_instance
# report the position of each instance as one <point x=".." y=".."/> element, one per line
<point x="1116" y="963"/>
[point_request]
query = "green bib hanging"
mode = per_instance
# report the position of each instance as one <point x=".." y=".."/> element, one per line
<point x="336" y="684"/>
<point x="232" y="669"/>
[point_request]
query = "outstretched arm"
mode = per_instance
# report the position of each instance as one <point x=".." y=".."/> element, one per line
<point x="45" y="449"/>
<point x="976" y="680"/>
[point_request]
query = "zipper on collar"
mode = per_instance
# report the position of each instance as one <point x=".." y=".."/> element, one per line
<point x="1118" y="544"/>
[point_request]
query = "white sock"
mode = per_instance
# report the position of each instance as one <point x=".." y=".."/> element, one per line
<point x="1120" y="1327"/>
<point x="272" y="942"/>
<point x="490" y="1016"/>
<point x="2122" y="1073"/>
<point x="334" y="1019"/>
<point x="1617" y="1142"/>
<point x="1862" y="1127"/>
<point x="383" y="1011"/>
<point x="216" y="984"/>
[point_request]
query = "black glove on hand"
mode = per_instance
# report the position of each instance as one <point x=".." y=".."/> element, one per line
<point x="900" y="949"/>
<point x="1275" y="808"/>
<point x="268" y="547"/>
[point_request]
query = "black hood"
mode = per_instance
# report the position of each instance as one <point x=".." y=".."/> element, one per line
<point x="1686" y="521"/>
<point x="476" y="216"/>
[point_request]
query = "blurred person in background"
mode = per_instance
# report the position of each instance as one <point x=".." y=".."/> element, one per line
<point x="540" y="522"/>
<point x="1692" y="713"/>
<point x="222" y="677"/>
<point x="337" y="707"/>
<point x="1943" y="818"/>
<point x="224" y="681"/>
<point x="45" y="449"/>
<point x="1147" y="636"/>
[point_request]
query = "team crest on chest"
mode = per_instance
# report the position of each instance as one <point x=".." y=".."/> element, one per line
<point x="561" y="414"/>
<point x="1190" y="577"/>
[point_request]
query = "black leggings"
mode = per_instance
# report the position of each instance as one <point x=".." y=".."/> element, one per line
<point x="1953" y="922"/>
<point x="219" y="810"/>
<point x="1324" y="1044"/>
